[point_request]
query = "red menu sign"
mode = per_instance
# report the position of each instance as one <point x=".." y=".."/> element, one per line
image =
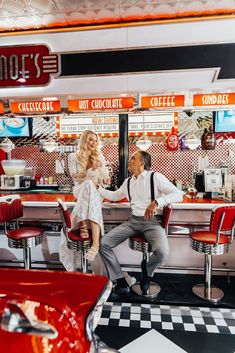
<point x="35" y="107"/>
<point x="100" y="104"/>
<point x="214" y="99"/>
<point x="27" y="65"/>
<point x="1" y="108"/>
<point x="162" y="101"/>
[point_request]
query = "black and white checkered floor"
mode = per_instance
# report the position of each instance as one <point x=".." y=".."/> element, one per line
<point x="135" y="328"/>
<point x="174" y="322"/>
<point x="165" y="317"/>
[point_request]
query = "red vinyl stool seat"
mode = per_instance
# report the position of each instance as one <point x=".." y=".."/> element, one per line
<point x="74" y="241"/>
<point x="215" y="241"/>
<point x="138" y="242"/>
<point x="11" y="209"/>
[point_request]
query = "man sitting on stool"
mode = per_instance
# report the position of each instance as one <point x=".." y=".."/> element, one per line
<point x="146" y="219"/>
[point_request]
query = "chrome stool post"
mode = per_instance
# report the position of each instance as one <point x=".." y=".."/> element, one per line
<point x="139" y="243"/>
<point x="215" y="241"/>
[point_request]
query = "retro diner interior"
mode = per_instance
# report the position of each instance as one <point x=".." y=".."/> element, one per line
<point x="130" y="70"/>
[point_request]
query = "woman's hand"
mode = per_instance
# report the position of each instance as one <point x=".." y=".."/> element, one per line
<point x="78" y="176"/>
<point x="96" y="164"/>
<point x="106" y="181"/>
<point x="150" y="210"/>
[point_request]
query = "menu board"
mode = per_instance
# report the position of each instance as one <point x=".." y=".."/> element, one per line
<point x="100" y="124"/>
<point x="158" y="122"/>
<point x="155" y="122"/>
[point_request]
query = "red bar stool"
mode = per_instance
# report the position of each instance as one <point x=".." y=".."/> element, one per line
<point x="74" y="241"/>
<point x="25" y="238"/>
<point x="215" y="241"/>
<point x="138" y="242"/>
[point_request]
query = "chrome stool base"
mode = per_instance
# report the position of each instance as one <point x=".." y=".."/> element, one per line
<point x="153" y="290"/>
<point x="213" y="295"/>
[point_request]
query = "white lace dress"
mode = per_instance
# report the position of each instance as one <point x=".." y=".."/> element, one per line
<point x="87" y="207"/>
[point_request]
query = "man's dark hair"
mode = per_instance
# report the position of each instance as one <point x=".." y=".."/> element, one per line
<point x="146" y="157"/>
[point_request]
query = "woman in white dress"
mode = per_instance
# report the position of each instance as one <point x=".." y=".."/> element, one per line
<point x="87" y="169"/>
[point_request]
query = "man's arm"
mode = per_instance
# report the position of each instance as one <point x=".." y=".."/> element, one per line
<point x="116" y="195"/>
<point x="169" y="192"/>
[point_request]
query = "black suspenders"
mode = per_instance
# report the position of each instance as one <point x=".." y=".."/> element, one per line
<point x="151" y="187"/>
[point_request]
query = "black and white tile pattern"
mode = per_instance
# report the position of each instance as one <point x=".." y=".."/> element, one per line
<point x="164" y="317"/>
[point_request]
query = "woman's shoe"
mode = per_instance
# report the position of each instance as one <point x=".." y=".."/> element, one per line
<point x="91" y="253"/>
<point x="84" y="231"/>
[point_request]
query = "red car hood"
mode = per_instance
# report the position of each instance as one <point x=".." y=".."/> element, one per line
<point x="64" y="291"/>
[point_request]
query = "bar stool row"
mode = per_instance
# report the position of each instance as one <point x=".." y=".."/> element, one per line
<point x="214" y="241"/>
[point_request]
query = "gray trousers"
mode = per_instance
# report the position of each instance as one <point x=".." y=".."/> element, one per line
<point x="153" y="232"/>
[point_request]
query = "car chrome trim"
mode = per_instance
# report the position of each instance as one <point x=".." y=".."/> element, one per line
<point x="94" y="316"/>
<point x="14" y="319"/>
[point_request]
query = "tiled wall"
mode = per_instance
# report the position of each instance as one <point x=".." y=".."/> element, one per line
<point x="177" y="165"/>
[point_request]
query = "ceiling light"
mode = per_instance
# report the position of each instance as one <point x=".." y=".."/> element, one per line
<point x="193" y="143"/>
<point x="49" y="146"/>
<point x="7" y="145"/>
<point x="143" y="144"/>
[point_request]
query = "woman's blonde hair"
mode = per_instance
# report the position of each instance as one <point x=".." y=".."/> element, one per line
<point x="82" y="156"/>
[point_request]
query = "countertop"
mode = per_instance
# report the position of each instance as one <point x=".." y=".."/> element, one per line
<point x="41" y="199"/>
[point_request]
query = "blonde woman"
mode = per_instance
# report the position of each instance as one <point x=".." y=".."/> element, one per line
<point x="87" y="169"/>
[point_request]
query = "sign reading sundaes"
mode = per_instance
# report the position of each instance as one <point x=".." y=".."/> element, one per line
<point x="27" y="65"/>
<point x="214" y="99"/>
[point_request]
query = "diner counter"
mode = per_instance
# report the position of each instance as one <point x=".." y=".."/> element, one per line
<point x="50" y="200"/>
<point x="186" y="216"/>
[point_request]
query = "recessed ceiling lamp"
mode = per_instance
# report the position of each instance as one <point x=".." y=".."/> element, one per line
<point x="49" y="145"/>
<point x="7" y="145"/>
<point x="193" y="143"/>
<point x="143" y="143"/>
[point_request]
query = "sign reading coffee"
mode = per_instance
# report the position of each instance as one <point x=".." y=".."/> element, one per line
<point x="27" y="65"/>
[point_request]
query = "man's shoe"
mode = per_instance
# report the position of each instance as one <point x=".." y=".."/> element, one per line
<point x="144" y="284"/>
<point x="119" y="293"/>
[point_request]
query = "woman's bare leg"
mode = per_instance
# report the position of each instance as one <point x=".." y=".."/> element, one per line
<point x="92" y="252"/>
<point x="83" y="230"/>
<point x="95" y="230"/>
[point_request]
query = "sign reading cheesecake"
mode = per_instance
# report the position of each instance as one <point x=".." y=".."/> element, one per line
<point x="75" y="105"/>
<point x="35" y="107"/>
<point x="162" y="101"/>
<point x="27" y="65"/>
<point x="214" y="99"/>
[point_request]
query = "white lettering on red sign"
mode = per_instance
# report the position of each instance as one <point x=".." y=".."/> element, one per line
<point x="9" y="66"/>
<point x="115" y="103"/>
<point x="166" y="101"/>
<point x="35" y="107"/>
<point x="215" y="99"/>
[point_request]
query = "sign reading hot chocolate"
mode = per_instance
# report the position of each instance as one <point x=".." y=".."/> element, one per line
<point x="100" y="104"/>
<point x="38" y="107"/>
<point x="27" y="65"/>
